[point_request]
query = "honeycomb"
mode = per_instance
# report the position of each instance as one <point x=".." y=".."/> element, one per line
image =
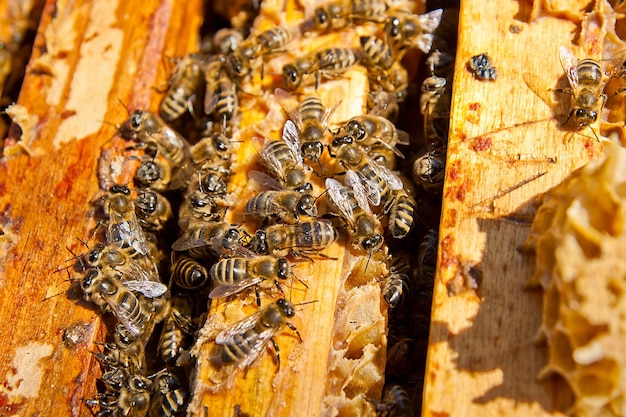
<point x="579" y="237"/>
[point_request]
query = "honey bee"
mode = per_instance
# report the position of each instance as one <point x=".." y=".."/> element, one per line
<point x="397" y="403"/>
<point x="368" y="130"/>
<point x="206" y="203"/>
<point x="327" y="62"/>
<point x="376" y="53"/>
<point x="435" y="106"/>
<point x="198" y="234"/>
<point x="227" y="40"/>
<point x="406" y="30"/>
<point x="242" y="343"/>
<point x="339" y="14"/>
<point x="130" y="356"/>
<point x="183" y="88"/>
<point x="132" y="399"/>
<point x="153" y="210"/>
<point x="427" y="257"/>
<point x="283" y="159"/>
<point x="586" y="80"/>
<point x="394" y="80"/>
<point x="221" y="97"/>
<point x="233" y="275"/>
<point x="149" y="131"/>
<point x="482" y="68"/>
<point x="440" y="63"/>
<point x="189" y="274"/>
<point x="297" y="239"/>
<point x="176" y="326"/>
<point x="401" y="358"/>
<point x="378" y="181"/>
<point x="429" y="169"/>
<point x="154" y="173"/>
<point x="170" y="397"/>
<point x="255" y="46"/>
<point x="383" y="103"/>
<point x="311" y="119"/>
<point x="397" y="285"/>
<point x="281" y="205"/>
<point x="353" y="207"/>
<point x="401" y="214"/>
<point x="107" y="291"/>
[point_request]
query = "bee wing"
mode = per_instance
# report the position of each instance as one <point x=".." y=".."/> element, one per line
<point x="211" y="74"/>
<point x="226" y="247"/>
<point x="424" y="42"/>
<point x="335" y="95"/>
<point x="225" y="290"/>
<point x="265" y="181"/>
<point x="403" y="137"/>
<point x="150" y="289"/>
<point x="338" y="194"/>
<point x="272" y="163"/>
<point x="124" y="233"/>
<point x="186" y="242"/>
<point x="122" y="314"/>
<point x="236" y="329"/>
<point x="136" y="270"/>
<point x="290" y="105"/>
<point x="291" y="137"/>
<point x="569" y="62"/>
<point x="352" y="181"/>
<point x="430" y="21"/>
<point x="394" y="182"/>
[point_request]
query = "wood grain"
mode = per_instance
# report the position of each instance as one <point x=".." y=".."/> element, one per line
<point x="87" y="56"/>
<point x="507" y="145"/>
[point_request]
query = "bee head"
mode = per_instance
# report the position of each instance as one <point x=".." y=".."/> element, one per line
<point x="286" y="306"/>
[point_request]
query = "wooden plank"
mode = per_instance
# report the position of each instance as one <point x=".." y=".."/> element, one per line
<point x="87" y="56"/>
<point x="507" y="145"/>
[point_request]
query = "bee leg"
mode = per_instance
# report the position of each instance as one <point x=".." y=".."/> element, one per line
<point x="317" y="80"/>
<point x="292" y="327"/>
<point x="569" y="116"/>
<point x="279" y="287"/>
<point x="276" y="352"/>
<point x="258" y="296"/>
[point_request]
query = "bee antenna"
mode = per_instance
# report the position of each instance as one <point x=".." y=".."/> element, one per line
<point x="295" y="277"/>
<point x="124" y="105"/>
<point x="594" y="133"/>
<point x="305" y="303"/>
<point x="321" y="194"/>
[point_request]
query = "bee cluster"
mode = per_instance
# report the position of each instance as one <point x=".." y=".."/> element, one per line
<point x="156" y="279"/>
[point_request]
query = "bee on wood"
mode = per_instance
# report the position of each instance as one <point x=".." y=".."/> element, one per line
<point x="198" y="236"/>
<point x="394" y="80"/>
<point x="149" y="131"/>
<point x="311" y="119"/>
<point x="220" y="98"/>
<point x="407" y="30"/>
<point x="232" y="275"/>
<point x="183" y="88"/>
<point x="587" y="81"/>
<point x="281" y="205"/>
<point x="339" y="14"/>
<point x="383" y="103"/>
<point x="377" y="53"/>
<point x="242" y="343"/>
<point x="481" y="68"/>
<point x="108" y="291"/>
<point x="351" y="202"/>
<point x="327" y="62"/>
<point x="129" y="356"/>
<point x="369" y="130"/>
<point x="297" y="239"/>
<point x="256" y="46"/>
<point x="378" y="181"/>
<point x="283" y="159"/>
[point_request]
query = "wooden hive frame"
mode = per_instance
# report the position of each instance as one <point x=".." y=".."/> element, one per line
<point x="500" y="129"/>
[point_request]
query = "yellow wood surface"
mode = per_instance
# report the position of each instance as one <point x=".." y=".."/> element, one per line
<point x="87" y="56"/>
<point x="506" y="147"/>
